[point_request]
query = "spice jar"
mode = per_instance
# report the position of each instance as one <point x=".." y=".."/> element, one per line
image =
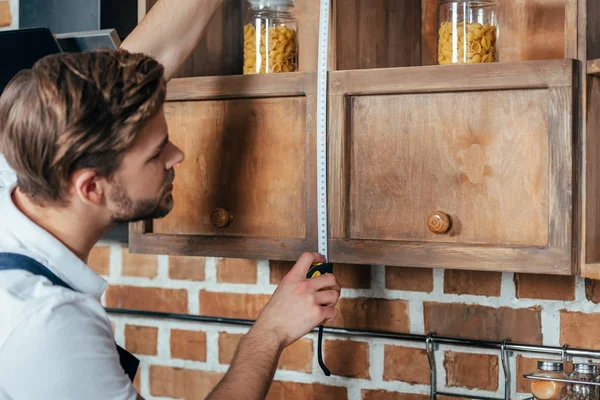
<point x="545" y="389"/>
<point x="270" y="37"/>
<point x="467" y="31"/>
<point x="583" y="373"/>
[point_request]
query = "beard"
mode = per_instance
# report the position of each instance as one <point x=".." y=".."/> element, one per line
<point x="129" y="210"/>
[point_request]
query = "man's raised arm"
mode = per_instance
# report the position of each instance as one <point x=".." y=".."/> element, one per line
<point x="171" y="30"/>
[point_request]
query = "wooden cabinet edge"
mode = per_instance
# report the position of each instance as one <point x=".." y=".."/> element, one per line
<point x="440" y="78"/>
<point x="518" y="74"/>
<point x="593" y="67"/>
<point x="242" y="86"/>
<point x="220" y="246"/>
<point x="590" y="271"/>
<point x="534" y="260"/>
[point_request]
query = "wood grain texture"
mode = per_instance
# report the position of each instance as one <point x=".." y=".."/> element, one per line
<point x="531" y="151"/>
<point x="586" y="207"/>
<point x="481" y="157"/>
<point x="534" y="260"/>
<point x="242" y="86"/>
<point x="247" y="156"/>
<point x="250" y="149"/>
<point x="592" y="30"/>
<point x="221" y="246"/>
<point x="592" y="170"/>
<point x="307" y="14"/>
<point x="439" y="78"/>
<point x="429" y="31"/>
<point x="571" y="28"/>
<point x="377" y="34"/>
<point x="593" y="67"/>
<point x="220" y="51"/>
<point x="532" y="29"/>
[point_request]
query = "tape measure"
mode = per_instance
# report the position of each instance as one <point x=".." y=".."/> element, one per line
<point x="319" y="269"/>
<point x="322" y="128"/>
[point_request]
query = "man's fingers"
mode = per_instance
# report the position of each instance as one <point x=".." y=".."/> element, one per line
<point x="327" y="297"/>
<point x="304" y="263"/>
<point x="326" y="281"/>
<point x="328" y="314"/>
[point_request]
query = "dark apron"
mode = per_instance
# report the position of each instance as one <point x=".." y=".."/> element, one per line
<point x="8" y="261"/>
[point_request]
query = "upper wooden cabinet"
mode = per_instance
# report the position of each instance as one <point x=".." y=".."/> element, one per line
<point x="247" y="185"/>
<point x="474" y="171"/>
<point x="491" y="167"/>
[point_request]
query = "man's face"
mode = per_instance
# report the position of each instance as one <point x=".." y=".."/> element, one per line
<point x="142" y="186"/>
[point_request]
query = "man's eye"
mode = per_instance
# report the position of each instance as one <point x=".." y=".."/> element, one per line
<point x="155" y="157"/>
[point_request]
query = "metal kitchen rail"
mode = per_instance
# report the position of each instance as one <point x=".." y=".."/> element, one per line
<point x="505" y="347"/>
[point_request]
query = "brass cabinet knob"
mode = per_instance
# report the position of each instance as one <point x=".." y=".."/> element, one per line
<point x="221" y="217"/>
<point x="439" y="222"/>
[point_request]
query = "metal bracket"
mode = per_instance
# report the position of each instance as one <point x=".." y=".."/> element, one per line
<point x="506" y="368"/>
<point x="429" y="346"/>
<point x="563" y="353"/>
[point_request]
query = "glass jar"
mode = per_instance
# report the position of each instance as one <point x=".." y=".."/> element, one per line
<point x="583" y="373"/>
<point x="467" y="31"/>
<point x="270" y="37"/>
<point x="548" y="390"/>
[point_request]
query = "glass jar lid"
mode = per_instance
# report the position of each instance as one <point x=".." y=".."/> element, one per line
<point x="550" y="365"/>
<point x="272" y="3"/>
<point x="590" y="369"/>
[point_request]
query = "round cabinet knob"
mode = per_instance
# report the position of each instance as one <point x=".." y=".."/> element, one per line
<point x="439" y="222"/>
<point x="220" y="217"/>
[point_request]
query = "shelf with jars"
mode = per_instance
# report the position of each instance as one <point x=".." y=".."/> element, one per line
<point x="458" y="136"/>
<point x="551" y="382"/>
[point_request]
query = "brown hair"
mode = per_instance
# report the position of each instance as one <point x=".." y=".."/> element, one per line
<point x="73" y="111"/>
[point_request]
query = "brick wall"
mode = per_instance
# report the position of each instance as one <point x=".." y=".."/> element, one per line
<point x="186" y="359"/>
<point x="9" y="19"/>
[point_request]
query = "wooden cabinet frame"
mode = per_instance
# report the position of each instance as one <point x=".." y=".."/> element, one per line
<point x="142" y="239"/>
<point x="558" y="77"/>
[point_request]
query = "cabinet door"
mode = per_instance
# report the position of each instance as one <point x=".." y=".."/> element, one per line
<point x="454" y="166"/>
<point x="247" y="185"/>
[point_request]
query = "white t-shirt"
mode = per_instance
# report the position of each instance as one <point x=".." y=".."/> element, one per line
<point x="7" y="175"/>
<point x="55" y="343"/>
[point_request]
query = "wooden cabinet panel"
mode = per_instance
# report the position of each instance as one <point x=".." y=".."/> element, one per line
<point x="479" y="156"/>
<point x="247" y="156"/>
<point x="491" y="148"/>
<point x="249" y="144"/>
<point x="377" y="34"/>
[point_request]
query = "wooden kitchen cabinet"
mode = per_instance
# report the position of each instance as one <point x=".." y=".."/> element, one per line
<point x="488" y="152"/>
<point x="490" y="167"/>
<point x="247" y="187"/>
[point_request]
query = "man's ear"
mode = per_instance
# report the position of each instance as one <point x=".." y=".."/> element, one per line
<point x="88" y="187"/>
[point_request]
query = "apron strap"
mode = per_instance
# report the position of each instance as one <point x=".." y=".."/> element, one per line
<point x="13" y="261"/>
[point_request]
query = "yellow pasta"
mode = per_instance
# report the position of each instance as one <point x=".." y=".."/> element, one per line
<point x="474" y="43"/>
<point x="281" y="45"/>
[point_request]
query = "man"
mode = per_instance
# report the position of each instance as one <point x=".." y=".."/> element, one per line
<point x="87" y="138"/>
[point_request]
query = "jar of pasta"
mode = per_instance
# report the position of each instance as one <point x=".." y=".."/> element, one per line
<point x="270" y="37"/>
<point x="467" y="31"/>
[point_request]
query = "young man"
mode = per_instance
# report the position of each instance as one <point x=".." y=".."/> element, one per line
<point x="87" y="138"/>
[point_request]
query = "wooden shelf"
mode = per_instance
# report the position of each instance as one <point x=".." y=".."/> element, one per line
<point x="593" y="67"/>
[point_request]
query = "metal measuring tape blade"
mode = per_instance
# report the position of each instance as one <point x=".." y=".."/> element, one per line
<point x="323" y="56"/>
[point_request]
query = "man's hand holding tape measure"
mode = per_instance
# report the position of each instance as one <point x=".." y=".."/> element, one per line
<point x="299" y="304"/>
